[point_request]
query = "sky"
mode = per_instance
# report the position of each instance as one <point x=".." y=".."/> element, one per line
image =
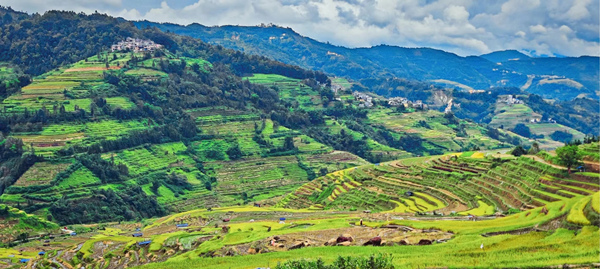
<point x="464" y="27"/>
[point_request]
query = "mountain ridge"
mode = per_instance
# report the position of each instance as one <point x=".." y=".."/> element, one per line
<point x="424" y="64"/>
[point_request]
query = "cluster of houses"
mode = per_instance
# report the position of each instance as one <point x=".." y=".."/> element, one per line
<point x="136" y="45"/>
<point x="511" y="100"/>
<point x="336" y="88"/>
<point x="538" y="120"/>
<point x="402" y="101"/>
<point x="365" y="99"/>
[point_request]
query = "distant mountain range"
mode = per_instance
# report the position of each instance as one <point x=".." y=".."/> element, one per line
<point x="553" y="78"/>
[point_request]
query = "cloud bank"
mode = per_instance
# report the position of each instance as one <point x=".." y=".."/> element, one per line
<point x="465" y="27"/>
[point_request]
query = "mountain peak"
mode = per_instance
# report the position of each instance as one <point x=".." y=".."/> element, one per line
<point x="504" y="56"/>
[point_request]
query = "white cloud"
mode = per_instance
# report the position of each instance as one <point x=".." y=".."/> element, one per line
<point x="537" y="29"/>
<point x="579" y="10"/>
<point x="456" y="14"/>
<point x="567" y="27"/>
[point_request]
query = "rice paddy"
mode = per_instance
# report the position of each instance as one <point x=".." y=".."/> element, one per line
<point x="290" y="89"/>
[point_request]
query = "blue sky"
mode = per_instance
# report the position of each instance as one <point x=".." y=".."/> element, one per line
<point x="465" y="27"/>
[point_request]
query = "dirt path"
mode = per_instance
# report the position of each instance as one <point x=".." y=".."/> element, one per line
<point x="137" y="257"/>
<point x="545" y="162"/>
<point x="592" y="166"/>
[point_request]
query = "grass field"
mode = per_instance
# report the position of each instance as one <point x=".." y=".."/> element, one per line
<point x="146" y="72"/>
<point x="81" y="177"/>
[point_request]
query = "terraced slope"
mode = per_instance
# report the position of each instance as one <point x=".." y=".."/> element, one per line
<point x="210" y="176"/>
<point x="443" y="184"/>
<point x="245" y="240"/>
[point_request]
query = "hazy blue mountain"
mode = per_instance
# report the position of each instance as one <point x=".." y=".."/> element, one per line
<point x="504" y="55"/>
<point x="555" y="78"/>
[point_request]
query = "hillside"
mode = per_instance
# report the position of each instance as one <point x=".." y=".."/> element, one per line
<point x="498" y="69"/>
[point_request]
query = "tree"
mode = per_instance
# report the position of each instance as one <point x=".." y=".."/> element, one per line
<point x="535" y="148"/>
<point x="288" y="143"/>
<point x="522" y="130"/>
<point x="568" y="156"/>
<point x="234" y="152"/>
<point x="561" y="136"/>
<point x="493" y="133"/>
<point x="155" y="186"/>
<point x="23" y="237"/>
<point x="518" y="151"/>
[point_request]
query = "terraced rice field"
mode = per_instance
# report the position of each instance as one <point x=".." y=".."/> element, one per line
<point x="153" y="158"/>
<point x="471" y="186"/>
<point x="388" y="153"/>
<point x="41" y="173"/>
<point x="270" y="176"/>
<point x="509" y="115"/>
<point x="437" y="133"/>
<point x="50" y="89"/>
<point x="146" y="73"/>
<point x="507" y="240"/>
<point x="53" y="137"/>
<point x="289" y="89"/>
<point x="81" y="177"/>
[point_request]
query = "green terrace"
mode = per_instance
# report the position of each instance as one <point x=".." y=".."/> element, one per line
<point x="475" y="186"/>
<point x="435" y="129"/>
<point x="55" y="136"/>
<point x="290" y="89"/>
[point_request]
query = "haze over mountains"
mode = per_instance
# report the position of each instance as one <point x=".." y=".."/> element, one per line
<point x="554" y="78"/>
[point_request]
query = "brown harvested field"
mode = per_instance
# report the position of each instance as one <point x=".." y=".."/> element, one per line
<point x="50" y="86"/>
<point x="40" y="173"/>
<point x="50" y="139"/>
<point x="53" y="96"/>
<point x="98" y="68"/>
<point x="337" y="156"/>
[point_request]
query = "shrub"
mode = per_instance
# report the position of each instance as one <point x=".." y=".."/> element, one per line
<point x="371" y="262"/>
